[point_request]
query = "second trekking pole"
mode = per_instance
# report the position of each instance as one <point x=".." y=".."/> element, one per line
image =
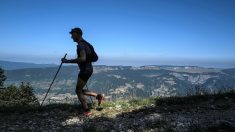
<point x="53" y="81"/>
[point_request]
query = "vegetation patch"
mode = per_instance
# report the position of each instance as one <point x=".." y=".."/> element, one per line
<point x="18" y="99"/>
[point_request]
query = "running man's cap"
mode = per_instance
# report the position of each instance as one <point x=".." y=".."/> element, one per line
<point x="77" y="30"/>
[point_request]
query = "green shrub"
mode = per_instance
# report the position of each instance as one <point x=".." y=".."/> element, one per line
<point x="2" y="77"/>
<point x="21" y="93"/>
<point x="14" y="98"/>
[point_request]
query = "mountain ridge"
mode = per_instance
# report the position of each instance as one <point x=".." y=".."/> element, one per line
<point x="127" y="81"/>
<point x="10" y="65"/>
<point x="13" y="65"/>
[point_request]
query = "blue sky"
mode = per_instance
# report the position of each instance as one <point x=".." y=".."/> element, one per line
<point x="123" y="32"/>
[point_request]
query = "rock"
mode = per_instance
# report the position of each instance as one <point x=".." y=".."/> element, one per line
<point x="212" y="107"/>
<point x="45" y="114"/>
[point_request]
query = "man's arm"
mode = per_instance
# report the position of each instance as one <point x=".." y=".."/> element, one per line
<point x="80" y="59"/>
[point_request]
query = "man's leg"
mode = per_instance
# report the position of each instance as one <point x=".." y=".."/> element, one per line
<point x="79" y="92"/>
<point x="99" y="97"/>
<point x="89" y="93"/>
<point x="82" y="79"/>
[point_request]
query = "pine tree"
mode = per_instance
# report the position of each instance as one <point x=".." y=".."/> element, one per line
<point x="2" y="77"/>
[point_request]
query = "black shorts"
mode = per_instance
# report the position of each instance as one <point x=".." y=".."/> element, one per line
<point x="85" y="75"/>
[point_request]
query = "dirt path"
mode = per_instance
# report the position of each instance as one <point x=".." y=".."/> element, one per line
<point x="208" y="115"/>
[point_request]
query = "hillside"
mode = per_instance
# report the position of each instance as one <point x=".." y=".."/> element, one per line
<point x="207" y="113"/>
<point x="120" y="82"/>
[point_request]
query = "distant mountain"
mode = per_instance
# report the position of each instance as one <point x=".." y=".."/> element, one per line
<point x="7" y="65"/>
<point x="230" y="71"/>
<point x="126" y="81"/>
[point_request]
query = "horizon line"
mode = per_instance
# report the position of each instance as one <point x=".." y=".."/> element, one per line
<point x="215" y="65"/>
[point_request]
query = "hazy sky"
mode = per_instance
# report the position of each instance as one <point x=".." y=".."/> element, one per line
<point x="123" y="32"/>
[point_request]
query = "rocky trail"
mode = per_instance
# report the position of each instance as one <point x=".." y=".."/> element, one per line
<point x="202" y="113"/>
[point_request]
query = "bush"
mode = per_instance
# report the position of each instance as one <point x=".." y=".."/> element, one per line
<point x="22" y="93"/>
<point x="2" y="77"/>
<point x="15" y="98"/>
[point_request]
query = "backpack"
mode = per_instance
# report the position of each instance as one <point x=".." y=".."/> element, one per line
<point x="92" y="57"/>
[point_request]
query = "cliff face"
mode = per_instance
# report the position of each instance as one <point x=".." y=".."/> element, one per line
<point x="194" y="113"/>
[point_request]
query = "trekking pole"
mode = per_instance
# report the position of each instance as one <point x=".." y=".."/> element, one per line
<point x="52" y="81"/>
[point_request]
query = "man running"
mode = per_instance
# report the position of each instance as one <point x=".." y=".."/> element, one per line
<point x="85" y="67"/>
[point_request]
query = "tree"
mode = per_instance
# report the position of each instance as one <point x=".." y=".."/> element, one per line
<point x="2" y="77"/>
